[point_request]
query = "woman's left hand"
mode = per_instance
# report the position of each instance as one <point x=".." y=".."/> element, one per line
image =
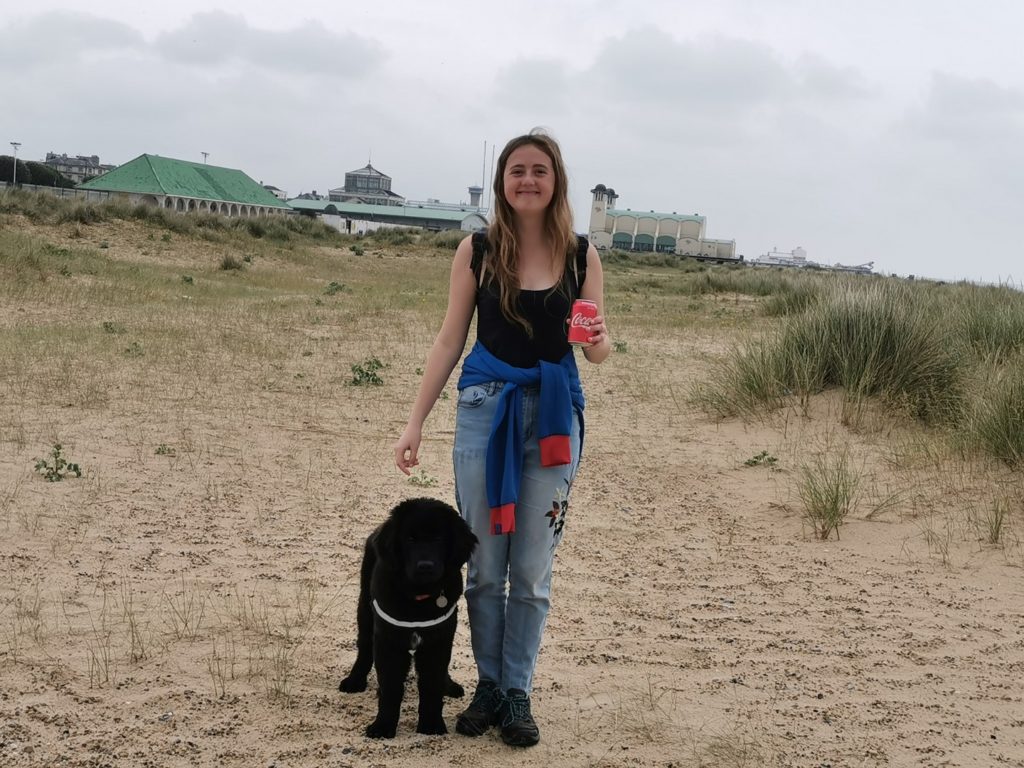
<point x="598" y="331"/>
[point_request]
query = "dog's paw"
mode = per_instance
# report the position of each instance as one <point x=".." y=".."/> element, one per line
<point x="381" y="730"/>
<point x="453" y="690"/>
<point x="353" y="684"/>
<point x="432" y="727"/>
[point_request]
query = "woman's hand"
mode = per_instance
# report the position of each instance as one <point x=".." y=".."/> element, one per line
<point x="407" y="447"/>
<point x="598" y="331"/>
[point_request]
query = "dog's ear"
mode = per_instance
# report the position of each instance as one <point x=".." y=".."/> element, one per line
<point x="386" y="540"/>
<point x="463" y="540"/>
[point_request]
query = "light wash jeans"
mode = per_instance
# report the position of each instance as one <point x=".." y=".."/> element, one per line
<point x="509" y="579"/>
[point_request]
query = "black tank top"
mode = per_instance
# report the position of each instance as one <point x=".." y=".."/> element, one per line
<point x="545" y="310"/>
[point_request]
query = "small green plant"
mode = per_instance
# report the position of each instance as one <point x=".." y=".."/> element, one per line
<point x="55" y="468"/>
<point x="334" y="287"/>
<point x="247" y="258"/>
<point x="104" y="244"/>
<point x="357" y="249"/>
<point x="367" y="373"/>
<point x="828" y="490"/>
<point x="112" y="327"/>
<point x="619" y="346"/>
<point x="187" y="279"/>
<point x="166" y="237"/>
<point x="165" y="450"/>
<point x="134" y="350"/>
<point x="422" y="480"/>
<point x="762" y="459"/>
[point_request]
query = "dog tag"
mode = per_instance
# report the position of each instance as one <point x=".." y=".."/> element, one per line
<point x="442" y="601"/>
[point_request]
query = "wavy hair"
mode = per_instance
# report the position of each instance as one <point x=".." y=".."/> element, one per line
<point x="501" y="234"/>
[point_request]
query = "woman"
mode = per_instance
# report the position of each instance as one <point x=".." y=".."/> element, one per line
<point x="519" y="425"/>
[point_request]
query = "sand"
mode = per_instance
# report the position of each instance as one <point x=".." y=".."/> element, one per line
<point x="190" y="601"/>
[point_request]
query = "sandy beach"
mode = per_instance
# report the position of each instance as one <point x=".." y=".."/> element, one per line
<point x="190" y="600"/>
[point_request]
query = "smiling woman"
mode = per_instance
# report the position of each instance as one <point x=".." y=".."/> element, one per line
<point x="519" y="423"/>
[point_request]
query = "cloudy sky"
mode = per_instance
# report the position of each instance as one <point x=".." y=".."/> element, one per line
<point x="869" y="130"/>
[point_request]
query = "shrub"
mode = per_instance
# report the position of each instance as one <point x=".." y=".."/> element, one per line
<point x="991" y="320"/>
<point x="448" y="238"/>
<point x="82" y="213"/>
<point x="828" y="489"/>
<point x="873" y="341"/>
<point x="996" y="425"/>
<point x="367" y="373"/>
<point x="792" y="298"/>
<point x="393" y="236"/>
<point x="335" y="287"/>
<point x="229" y="261"/>
<point x="56" y="468"/>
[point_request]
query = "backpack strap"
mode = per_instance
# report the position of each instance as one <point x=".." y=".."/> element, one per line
<point x="580" y="267"/>
<point x="477" y="260"/>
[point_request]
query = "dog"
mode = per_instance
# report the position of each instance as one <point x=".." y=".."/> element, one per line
<point x="409" y="586"/>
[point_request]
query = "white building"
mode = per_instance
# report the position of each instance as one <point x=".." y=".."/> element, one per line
<point x="628" y="230"/>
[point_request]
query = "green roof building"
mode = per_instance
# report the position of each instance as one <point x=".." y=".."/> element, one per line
<point x="183" y="186"/>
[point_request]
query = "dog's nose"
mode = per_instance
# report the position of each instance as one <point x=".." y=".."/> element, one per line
<point x="424" y="566"/>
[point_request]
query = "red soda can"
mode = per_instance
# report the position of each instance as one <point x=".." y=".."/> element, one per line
<point x="583" y="312"/>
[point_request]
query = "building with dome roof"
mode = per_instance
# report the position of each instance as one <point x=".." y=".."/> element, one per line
<point x="366" y="185"/>
<point x="628" y="230"/>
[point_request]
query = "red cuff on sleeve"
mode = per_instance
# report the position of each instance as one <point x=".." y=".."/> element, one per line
<point x="503" y="519"/>
<point x="555" y="451"/>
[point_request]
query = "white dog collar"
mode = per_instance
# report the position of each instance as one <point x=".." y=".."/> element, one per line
<point x="414" y="624"/>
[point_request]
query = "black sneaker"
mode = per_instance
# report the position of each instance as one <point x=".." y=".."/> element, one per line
<point x="518" y="728"/>
<point x="482" y="711"/>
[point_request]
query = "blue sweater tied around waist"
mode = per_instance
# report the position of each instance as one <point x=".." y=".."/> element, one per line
<point x="561" y="395"/>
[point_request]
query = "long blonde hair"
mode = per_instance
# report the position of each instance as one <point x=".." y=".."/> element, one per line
<point x="501" y="234"/>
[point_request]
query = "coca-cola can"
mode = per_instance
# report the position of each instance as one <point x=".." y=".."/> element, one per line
<point x="583" y="313"/>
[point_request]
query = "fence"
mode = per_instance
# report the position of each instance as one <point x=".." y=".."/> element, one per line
<point x="90" y="195"/>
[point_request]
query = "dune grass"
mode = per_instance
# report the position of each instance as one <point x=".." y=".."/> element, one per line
<point x="946" y="356"/>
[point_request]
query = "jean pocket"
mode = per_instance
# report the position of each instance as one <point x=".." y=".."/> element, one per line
<point x="472" y="396"/>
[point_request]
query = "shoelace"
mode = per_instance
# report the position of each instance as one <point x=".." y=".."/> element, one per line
<point x="486" y="698"/>
<point x="518" y="709"/>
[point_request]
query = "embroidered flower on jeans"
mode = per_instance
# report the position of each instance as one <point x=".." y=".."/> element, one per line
<point x="557" y="514"/>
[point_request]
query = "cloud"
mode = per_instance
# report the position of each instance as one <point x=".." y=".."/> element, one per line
<point x="966" y="112"/>
<point x="647" y="66"/>
<point x="216" y="39"/>
<point x="534" y="86"/>
<point x="818" y="79"/>
<point x="58" y="37"/>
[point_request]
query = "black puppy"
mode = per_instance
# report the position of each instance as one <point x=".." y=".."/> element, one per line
<point x="409" y="587"/>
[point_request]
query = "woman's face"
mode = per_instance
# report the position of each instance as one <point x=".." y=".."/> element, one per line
<point x="529" y="180"/>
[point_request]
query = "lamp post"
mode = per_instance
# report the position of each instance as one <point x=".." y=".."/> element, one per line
<point x="205" y="155"/>
<point x="14" y="169"/>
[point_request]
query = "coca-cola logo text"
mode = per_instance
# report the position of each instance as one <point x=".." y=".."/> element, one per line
<point x="579" y="320"/>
